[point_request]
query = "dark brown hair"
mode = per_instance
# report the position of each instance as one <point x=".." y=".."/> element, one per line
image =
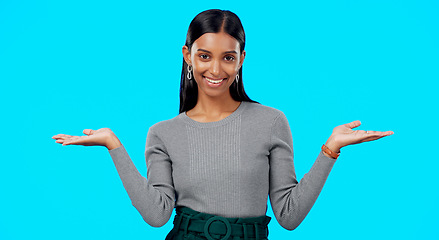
<point x="211" y="21"/>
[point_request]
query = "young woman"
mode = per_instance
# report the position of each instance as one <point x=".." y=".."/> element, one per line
<point x="224" y="154"/>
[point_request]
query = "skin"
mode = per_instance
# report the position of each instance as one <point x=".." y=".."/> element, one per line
<point x="218" y="56"/>
<point x="215" y="56"/>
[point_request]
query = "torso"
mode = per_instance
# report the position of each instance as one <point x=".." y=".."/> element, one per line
<point x="221" y="167"/>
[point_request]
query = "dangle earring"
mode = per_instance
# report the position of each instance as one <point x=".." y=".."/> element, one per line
<point x="189" y="72"/>
<point x="237" y="78"/>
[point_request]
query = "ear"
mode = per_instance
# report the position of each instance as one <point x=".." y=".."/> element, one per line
<point x="241" y="59"/>
<point x="186" y="55"/>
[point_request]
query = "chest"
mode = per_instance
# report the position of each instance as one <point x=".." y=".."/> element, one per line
<point x="227" y="156"/>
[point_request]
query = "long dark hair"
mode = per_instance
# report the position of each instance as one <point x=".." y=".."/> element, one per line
<point x="211" y="21"/>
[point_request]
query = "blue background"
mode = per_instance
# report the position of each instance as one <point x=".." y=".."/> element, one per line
<point x="70" y="65"/>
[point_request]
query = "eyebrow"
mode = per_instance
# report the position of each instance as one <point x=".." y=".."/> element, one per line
<point x="203" y="50"/>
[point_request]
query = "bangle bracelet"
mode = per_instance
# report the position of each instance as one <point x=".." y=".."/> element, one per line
<point x="329" y="152"/>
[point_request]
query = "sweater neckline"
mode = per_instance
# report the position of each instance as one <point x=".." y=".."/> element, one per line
<point x="223" y="121"/>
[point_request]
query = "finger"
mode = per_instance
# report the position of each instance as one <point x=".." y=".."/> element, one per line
<point x="383" y="134"/>
<point x="61" y="136"/>
<point x="378" y="133"/>
<point x="72" y="140"/>
<point x="371" y="138"/>
<point x="353" y="124"/>
<point x="78" y="140"/>
<point x="68" y="141"/>
<point x="67" y="137"/>
<point x="374" y="135"/>
<point x="88" y="131"/>
<point x="63" y="142"/>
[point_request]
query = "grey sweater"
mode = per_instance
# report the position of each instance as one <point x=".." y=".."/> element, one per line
<point x="227" y="168"/>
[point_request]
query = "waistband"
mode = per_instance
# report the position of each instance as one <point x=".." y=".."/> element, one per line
<point x="211" y="225"/>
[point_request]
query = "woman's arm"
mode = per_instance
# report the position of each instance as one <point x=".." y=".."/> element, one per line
<point x="292" y="200"/>
<point x="154" y="197"/>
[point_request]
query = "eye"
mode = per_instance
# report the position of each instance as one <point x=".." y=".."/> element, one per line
<point x="229" y="58"/>
<point x="204" y="56"/>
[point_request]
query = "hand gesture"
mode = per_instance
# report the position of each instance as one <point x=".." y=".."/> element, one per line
<point x="343" y="135"/>
<point x="100" y="137"/>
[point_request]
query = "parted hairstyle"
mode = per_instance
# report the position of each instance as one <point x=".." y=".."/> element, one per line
<point x="211" y="21"/>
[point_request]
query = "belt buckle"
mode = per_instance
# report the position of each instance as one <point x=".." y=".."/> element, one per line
<point x="221" y="219"/>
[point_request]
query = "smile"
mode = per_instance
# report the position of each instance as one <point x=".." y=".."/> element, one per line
<point x="214" y="81"/>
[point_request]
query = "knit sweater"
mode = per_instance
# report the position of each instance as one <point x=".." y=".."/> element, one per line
<point x="227" y="168"/>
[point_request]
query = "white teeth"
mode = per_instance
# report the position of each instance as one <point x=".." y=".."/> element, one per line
<point x="213" y="81"/>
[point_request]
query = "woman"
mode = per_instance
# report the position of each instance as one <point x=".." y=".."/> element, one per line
<point x="224" y="154"/>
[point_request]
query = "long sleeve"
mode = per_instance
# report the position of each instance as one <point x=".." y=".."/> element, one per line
<point x="292" y="200"/>
<point x="153" y="197"/>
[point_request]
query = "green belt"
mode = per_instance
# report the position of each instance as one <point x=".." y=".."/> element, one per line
<point x="190" y="220"/>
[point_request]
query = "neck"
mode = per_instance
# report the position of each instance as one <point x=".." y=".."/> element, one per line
<point x="213" y="108"/>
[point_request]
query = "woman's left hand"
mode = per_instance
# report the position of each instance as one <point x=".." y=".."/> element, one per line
<point x="343" y="135"/>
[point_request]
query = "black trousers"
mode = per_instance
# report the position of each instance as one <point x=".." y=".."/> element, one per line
<point x="192" y="225"/>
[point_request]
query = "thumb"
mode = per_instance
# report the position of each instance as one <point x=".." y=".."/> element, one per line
<point x="88" y="132"/>
<point x="353" y="124"/>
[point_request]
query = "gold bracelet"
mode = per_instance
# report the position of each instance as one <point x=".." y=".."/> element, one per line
<point x="329" y="152"/>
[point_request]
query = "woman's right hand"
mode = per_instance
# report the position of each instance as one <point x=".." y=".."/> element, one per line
<point x="101" y="137"/>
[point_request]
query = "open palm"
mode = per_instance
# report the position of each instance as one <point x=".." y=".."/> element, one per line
<point x="93" y="138"/>
<point x="344" y="135"/>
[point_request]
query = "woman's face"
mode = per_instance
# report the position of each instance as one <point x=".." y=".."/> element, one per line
<point x="215" y="59"/>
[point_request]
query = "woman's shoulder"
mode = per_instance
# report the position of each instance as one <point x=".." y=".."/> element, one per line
<point x="166" y="126"/>
<point x="259" y="110"/>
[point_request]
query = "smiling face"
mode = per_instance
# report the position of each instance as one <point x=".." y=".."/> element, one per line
<point x="216" y="59"/>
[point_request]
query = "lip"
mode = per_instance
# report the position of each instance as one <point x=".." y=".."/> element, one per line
<point x="214" y="79"/>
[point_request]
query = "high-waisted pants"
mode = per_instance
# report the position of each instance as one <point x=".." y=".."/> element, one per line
<point x="192" y="225"/>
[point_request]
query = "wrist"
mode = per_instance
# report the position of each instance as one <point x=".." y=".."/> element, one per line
<point x="328" y="153"/>
<point x="331" y="149"/>
<point x="113" y="142"/>
<point x="332" y="145"/>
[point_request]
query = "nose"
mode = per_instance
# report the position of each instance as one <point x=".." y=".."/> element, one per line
<point x="215" y="68"/>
